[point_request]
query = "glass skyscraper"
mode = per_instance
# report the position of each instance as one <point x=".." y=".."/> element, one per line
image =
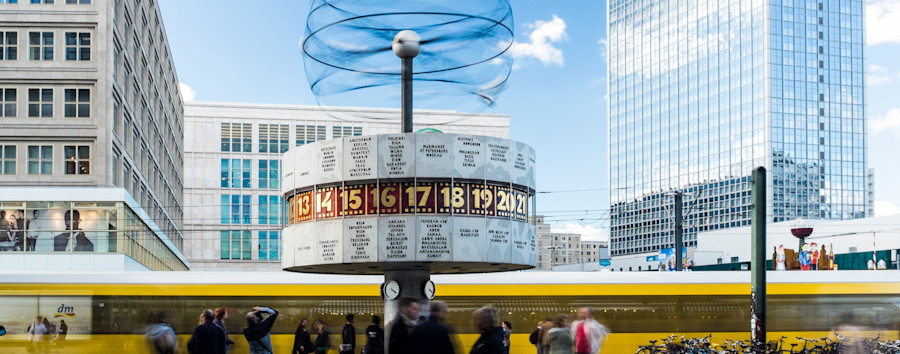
<point x="703" y="91"/>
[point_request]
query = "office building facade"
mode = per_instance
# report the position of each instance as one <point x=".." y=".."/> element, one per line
<point x="701" y="92"/>
<point x="556" y="249"/>
<point x="235" y="211"/>
<point x="91" y="135"/>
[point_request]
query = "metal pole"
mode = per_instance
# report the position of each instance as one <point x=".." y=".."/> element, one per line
<point x="679" y="232"/>
<point x="758" y="260"/>
<point x="407" y="82"/>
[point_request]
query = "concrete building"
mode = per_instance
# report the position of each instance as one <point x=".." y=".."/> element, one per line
<point x="233" y="153"/>
<point x="702" y="92"/>
<point x="91" y="131"/>
<point x="557" y="249"/>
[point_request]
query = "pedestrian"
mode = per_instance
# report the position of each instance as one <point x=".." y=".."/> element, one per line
<point x="402" y="325"/>
<point x="491" y="339"/>
<point x="560" y="339"/>
<point x="302" y="343"/>
<point x="38" y="332"/>
<point x="545" y="335"/>
<point x="535" y="338"/>
<point x="221" y="316"/>
<point x="207" y="337"/>
<point x="433" y="336"/>
<point x="160" y="339"/>
<point x="63" y="329"/>
<point x="374" y="337"/>
<point x="588" y="333"/>
<point x="348" y="337"/>
<point x="507" y="330"/>
<point x="259" y="324"/>
<point x="323" y="337"/>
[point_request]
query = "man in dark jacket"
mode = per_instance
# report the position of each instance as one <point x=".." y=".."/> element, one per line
<point x="207" y="338"/>
<point x="374" y="337"/>
<point x="491" y="340"/>
<point x="302" y="343"/>
<point x="433" y="336"/>
<point x="257" y="330"/>
<point x="402" y="325"/>
<point x="348" y="337"/>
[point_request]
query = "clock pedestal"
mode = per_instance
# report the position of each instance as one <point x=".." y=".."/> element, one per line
<point x="412" y="284"/>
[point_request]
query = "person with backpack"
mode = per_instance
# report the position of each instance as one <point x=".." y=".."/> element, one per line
<point x="374" y="337"/>
<point x="535" y="338"/>
<point x="258" y="328"/>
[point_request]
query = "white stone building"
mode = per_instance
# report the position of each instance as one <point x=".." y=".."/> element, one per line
<point x="91" y="131"/>
<point x="557" y="249"/>
<point x="233" y="157"/>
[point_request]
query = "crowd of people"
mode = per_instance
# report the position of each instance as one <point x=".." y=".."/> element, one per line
<point x="559" y="336"/>
<point x="44" y="333"/>
<point x="407" y="333"/>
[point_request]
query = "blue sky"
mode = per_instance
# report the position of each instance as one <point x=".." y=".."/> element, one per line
<point x="226" y="51"/>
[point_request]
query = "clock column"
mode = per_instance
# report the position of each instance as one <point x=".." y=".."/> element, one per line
<point x="412" y="284"/>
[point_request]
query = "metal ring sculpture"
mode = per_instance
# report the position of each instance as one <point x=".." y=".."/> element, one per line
<point x="464" y="64"/>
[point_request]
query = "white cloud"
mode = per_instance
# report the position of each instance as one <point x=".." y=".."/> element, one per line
<point x="542" y="38"/>
<point x="883" y="207"/>
<point x="883" y="22"/>
<point x="890" y="121"/>
<point x="603" y="48"/>
<point x="187" y="93"/>
<point x="587" y="232"/>
<point x="877" y="76"/>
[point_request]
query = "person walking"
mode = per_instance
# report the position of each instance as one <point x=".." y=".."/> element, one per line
<point x="374" y="337"/>
<point x="589" y="335"/>
<point x="348" y="337"/>
<point x="259" y="324"/>
<point x="507" y="330"/>
<point x="63" y="330"/>
<point x="221" y="316"/>
<point x="402" y="325"/>
<point x="302" y="342"/>
<point x="559" y="337"/>
<point x="160" y="339"/>
<point x="207" y="337"/>
<point x="323" y="337"/>
<point x="546" y="326"/>
<point x="433" y="336"/>
<point x="491" y="339"/>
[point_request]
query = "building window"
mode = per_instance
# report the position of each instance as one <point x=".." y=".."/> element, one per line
<point x="269" y="174"/>
<point x="80" y="2"/>
<point x="268" y="245"/>
<point x="78" y="103"/>
<point x="7" y="159"/>
<point x="78" y="159"/>
<point x="78" y="46"/>
<point x="40" y="159"/>
<point x="41" y="1"/>
<point x="8" y="103"/>
<point x="40" y="103"/>
<point x="9" y="1"/>
<point x="235" y="173"/>
<point x="9" y="49"/>
<point x="235" y="209"/>
<point x="235" y="245"/>
<point x="338" y="132"/>
<point x="270" y="209"/>
<point x="236" y="137"/>
<point x="273" y="138"/>
<point x="40" y="45"/>
<point x="307" y="134"/>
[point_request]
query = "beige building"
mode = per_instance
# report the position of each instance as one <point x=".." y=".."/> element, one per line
<point x="91" y="131"/>
<point x="555" y="249"/>
<point x="233" y="154"/>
